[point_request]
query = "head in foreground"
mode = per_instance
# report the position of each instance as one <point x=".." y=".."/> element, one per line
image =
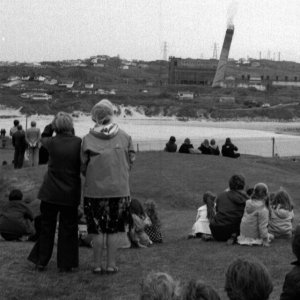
<point x="198" y="290"/>
<point x="159" y="286"/>
<point x="103" y="112"/>
<point x="63" y="123"/>
<point x="248" y="280"/>
<point x="237" y="182"/>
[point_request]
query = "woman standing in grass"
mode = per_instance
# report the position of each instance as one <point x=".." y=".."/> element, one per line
<point x="60" y="196"/>
<point x="107" y="156"/>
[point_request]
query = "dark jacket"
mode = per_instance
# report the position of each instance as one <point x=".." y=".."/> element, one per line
<point x="15" y="218"/>
<point x="214" y="151"/>
<point x="62" y="184"/>
<point x="230" y="208"/>
<point x="185" y="148"/>
<point x="18" y="140"/>
<point x="229" y="149"/>
<point x="204" y="149"/>
<point x="171" y="147"/>
<point x="291" y="286"/>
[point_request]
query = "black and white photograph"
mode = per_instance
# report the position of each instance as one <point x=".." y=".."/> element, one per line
<point x="149" y="150"/>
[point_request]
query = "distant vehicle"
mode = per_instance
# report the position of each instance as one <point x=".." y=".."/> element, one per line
<point x="185" y="96"/>
<point x="25" y="95"/>
<point x="41" y="96"/>
<point x="265" y="105"/>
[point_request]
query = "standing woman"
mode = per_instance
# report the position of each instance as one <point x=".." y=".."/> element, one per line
<point x="107" y="156"/>
<point x="60" y="194"/>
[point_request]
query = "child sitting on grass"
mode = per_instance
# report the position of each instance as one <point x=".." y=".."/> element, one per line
<point x="159" y="286"/>
<point x="198" y="290"/>
<point x="281" y="215"/>
<point x="248" y="280"/>
<point x="153" y="229"/>
<point x="254" y="224"/>
<point x="205" y="213"/>
<point x="291" y="286"/>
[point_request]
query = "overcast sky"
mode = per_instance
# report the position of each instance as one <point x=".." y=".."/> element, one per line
<point x="37" y="30"/>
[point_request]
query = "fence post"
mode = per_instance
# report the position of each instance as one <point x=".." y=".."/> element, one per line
<point x="137" y="148"/>
<point x="273" y="146"/>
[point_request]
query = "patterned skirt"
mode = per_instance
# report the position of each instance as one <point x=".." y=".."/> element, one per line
<point x="107" y="215"/>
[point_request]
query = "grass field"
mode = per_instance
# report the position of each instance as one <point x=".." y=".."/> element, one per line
<point x="176" y="182"/>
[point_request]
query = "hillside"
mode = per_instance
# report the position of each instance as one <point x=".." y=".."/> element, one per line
<point x="146" y="87"/>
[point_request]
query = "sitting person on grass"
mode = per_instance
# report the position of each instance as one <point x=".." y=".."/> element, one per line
<point x="16" y="218"/>
<point x="205" y="213"/>
<point x="281" y="215"/>
<point x="198" y="290"/>
<point x="159" y="286"/>
<point x="204" y="147"/>
<point x="214" y="149"/>
<point x="248" y="280"/>
<point x="153" y="229"/>
<point x="291" y="286"/>
<point x="187" y="147"/>
<point x="228" y="149"/>
<point x="171" y="145"/>
<point x="254" y="224"/>
<point x="137" y="235"/>
<point x="230" y="204"/>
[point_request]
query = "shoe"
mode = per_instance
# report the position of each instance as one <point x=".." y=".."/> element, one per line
<point x="40" y="268"/>
<point x="98" y="271"/>
<point x="112" y="270"/>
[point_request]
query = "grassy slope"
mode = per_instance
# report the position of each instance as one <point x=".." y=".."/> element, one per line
<point x="176" y="182"/>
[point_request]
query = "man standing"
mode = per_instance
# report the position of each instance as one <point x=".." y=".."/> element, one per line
<point x="19" y="142"/>
<point x="33" y="136"/>
<point x="15" y="128"/>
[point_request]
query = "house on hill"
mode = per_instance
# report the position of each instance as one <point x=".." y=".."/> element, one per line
<point x="89" y="85"/>
<point x="67" y="84"/>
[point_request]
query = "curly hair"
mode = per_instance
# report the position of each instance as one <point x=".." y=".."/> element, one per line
<point x="159" y="286"/>
<point x="209" y="199"/>
<point x="151" y="211"/>
<point x="248" y="280"/>
<point x="198" y="290"/>
<point x="237" y="182"/>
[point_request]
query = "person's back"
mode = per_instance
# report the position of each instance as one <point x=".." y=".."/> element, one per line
<point x="186" y="146"/>
<point x="14" y="129"/>
<point x="33" y="135"/>
<point x="214" y="149"/>
<point x="204" y="148"/>
<point x="291" y="286"/>
<point x="171" y="145"/>
<point x="18" y="138"/>
<point x="228" y="149"/>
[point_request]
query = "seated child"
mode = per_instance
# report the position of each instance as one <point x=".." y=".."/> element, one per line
<point x="195" y="290"/>
<point x="153" y="229"/>
<point x="247" y="280"/>
<point x="137" y="234"/>
<point x="281" y="215"/>
<point x="291" y="286"/>
<point x="205" y="213"/>
<point x="16" y="218"/>
<point x="254" y="224"/>
<point x="159" y="286"/>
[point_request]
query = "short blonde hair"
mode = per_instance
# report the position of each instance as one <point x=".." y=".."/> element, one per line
<point x="159" y="286"/>
<point x="102" y="112"/>
<point x="62" y="122"/>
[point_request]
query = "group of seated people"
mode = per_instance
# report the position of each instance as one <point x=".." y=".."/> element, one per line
<point x="252" y="217"/>
<point x="245" y="279"/>
<point x="206" y="147"/>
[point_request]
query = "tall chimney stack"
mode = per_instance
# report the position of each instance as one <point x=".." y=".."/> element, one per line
<point x="220" y="72"/>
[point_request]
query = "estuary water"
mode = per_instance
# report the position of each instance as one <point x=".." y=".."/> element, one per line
<point x="255" y="138"/>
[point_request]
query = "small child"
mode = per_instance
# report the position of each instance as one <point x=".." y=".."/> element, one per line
<point x="291" y="287"/>
<point x="248" y="280"/>
<point x="159" y="286"/>
<point x="195" y="290"/>
<point x="254" y="224"/>
<point x="281" y="215"/>
<point x="205" y="213"/>
<point x="153" y="229"/>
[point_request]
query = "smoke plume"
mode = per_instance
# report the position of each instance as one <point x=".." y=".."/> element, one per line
<point x="231" y="12"/>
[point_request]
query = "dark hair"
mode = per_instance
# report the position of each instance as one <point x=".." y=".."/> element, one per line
<point x="283" y="199"/>
<point x="15" y="195"/>
<point x="228" y="141"/>
<point x="250" y="191"/>
<point x="172" y="139"/>
<point x="151" y="211"/>
<point x="209" y="199"/>
<point x="136" y="207"/>
<point x="248" y="280"/>
<point x="237" y="182"/>
<point x="198" y="290"/>
<point x="16" y="122"/>
<point x="296" y="242"/>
